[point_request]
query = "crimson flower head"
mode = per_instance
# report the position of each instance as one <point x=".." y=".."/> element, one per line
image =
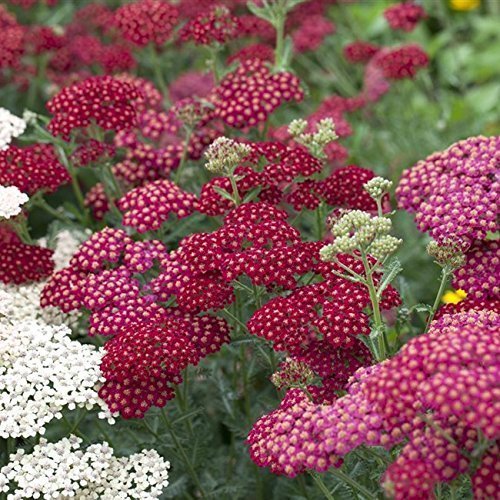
<point x="217" y="25"/>
<point x="22" y="263"/>
<point x="148" y="206"/>
<point x="12" y="37"/>
<point x="31" y="169"/>
<point x="103" y="100"/>
<point x="146" y="21"/>
<point x="248" y="95"/>
<point x="145" y="359"/>
<point x="311" y="33"/>
<point x="360" y="51"/>
<point x="404" y="16"/>
<point x="402" y="62"/>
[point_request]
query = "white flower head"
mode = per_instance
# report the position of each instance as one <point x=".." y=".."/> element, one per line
<point x="10" y="126"/>
<point x="63" y="470"/>
<point x="11" y="200"/>
<point x="43" y="371"/>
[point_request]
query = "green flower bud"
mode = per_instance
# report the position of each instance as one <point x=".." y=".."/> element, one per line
<point x="384" y="246"/>
<point x="377" y="187"/>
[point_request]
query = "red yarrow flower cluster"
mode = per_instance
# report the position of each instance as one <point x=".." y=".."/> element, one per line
<point x="401" y="62"/>
<point x="22" y="263"/>
<point x="247" y="96"/>
<point x="147" y="207"/>
<point x="454" y="192"/>
<point x="145" y="360"/>
<point x="360" y="51"/>
<point x="32" y="169"/>
<point x="217" y="26"/>
<point x="103" y="100"/>
<point x="146" y="21"/>
<point x="12" y="38"/>
<point x="311" y="33"/>
<point x="404" y="16"/>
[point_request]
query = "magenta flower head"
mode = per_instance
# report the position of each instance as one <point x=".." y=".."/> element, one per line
<point x="404" y="16"/>
<point x="33" y="168"/>
<point x="360" y="51"/>
<point x="217" y="26"/>
<point x="147" y="207"/>
<point x="106" y="101"/>
<point x="146" y="21"/>
<point x="248" y="95"/>
<point x="401" y="62"/>
<point x="454" y="193"/>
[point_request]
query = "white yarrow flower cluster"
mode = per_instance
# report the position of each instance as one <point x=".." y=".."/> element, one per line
<point x="11" y="201"/>
<point x="63" y="470"/>
<point x="43" y="371"/>
<point x="22" y="302"/>
<point x="10" y="126"/>
<point x="65" y="245"/>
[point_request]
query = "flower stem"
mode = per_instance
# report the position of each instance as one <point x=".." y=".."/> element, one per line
<point x="189" y="133"/>
<point x="445" y="274"/>
<point x="158" y="74"/>
<point x="382" y="347"/>
<point x="321" y="485"/>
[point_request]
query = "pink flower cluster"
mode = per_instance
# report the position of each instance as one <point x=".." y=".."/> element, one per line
<point x="404" y="16"/>
<point x="454" y="192"/>
<point x="146" y="21"/>
<point x="437" y="397"/>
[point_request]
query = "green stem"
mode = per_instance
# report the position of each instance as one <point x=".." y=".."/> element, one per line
<point x="445" y="274"/>
<point x="321" y="485"/>
<point x="74" y="182"/>
<point x="41" y="203"/>
<point x="383" y="348"/>
<point x="189" y="133"/>
<point x="280" y="40"/>
<point x="236" y="194"/>
<point x="359" y="488"/>
<point x="158" y="74"/>
<point x="319" y="222"/>
<point x="183" y="454"/>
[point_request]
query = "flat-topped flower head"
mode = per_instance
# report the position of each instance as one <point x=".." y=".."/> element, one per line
<point x="454" y="193"/>
<point x="146" y="21"/>
<point x="401" y="62"/>
<point x="248" y="95"/>
<point x="217" y="26"/>
<point x="11" y="201"/>
<point x="104" y="100"/>
<point x="360" y="51"/>
<point x="10" y="126"/>
<point x="404" y="16"/>
<point x="67" y="469"/>
<point x="146" y="207"/>
<point x="44" y="371"/>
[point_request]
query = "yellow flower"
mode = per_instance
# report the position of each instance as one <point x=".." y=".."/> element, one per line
<point x="453" y="296"/>
<point x="464" y="4"/>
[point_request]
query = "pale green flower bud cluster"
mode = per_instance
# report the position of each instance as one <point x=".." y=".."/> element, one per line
<point x="224" y="155"/>
<point x="377" y="187"/>
<point x="314" y="142"/>
<point x="449" y="255"/>
<point x="358" y="230"/>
